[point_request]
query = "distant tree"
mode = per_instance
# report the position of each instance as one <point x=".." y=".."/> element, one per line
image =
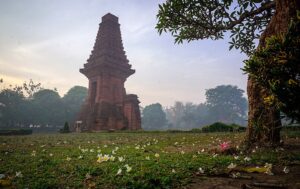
<point x="48" y="108"/>
<point x="153" y="117"/>
<point x="11" y="107"/>
<point x="30" y="88"/>
<point x="73" y="100"/>
<point x="66" y="128"/>
<point x="186" y="116"/>
<point x="174" y="115"/>
<point x="226" y="104"/>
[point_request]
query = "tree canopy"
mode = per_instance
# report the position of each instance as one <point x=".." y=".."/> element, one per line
<point x="211" y="19"/>
<point x="153" y="117"/>
<point x="31" y="105"/>
<point x="227" y="104"/>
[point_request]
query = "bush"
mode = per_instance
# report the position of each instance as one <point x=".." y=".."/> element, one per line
<point x="16" y="132"/>
<point x="66" y="128"/>
<point x="222" y="127"/>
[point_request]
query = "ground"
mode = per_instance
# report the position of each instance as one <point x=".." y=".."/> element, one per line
<point x="145" y="160"/>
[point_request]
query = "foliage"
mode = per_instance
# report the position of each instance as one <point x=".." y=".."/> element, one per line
<point x="210" y="19"/>
<point x="277" y="68"/>
<point x="32" y="106"/>
<point x="48" y="107"/>
<point x="227" y="104"/>
<point x="222" y="127"/>
<point x="16" y="132"/>
<point x="31" y="88"/>
<point x="73" y="100"/>
<point x="153" y="117"/>
<point x="11" y="109"/>
<point x="70" y="161"/>
<point x="186" y="116"/>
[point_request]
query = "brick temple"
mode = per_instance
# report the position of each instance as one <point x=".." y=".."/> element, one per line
<point x="107" y="106"/>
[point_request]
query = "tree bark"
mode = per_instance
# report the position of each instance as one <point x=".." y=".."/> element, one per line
<point x="264" y="121"/>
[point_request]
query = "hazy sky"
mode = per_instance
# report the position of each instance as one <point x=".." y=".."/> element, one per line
<point x="50" y="40"/>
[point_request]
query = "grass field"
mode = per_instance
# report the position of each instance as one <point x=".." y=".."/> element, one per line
<point x="124" y="160"/>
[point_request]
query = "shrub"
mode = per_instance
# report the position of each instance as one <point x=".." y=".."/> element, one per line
<point x="222" y="127"/>
<point x="66" y="128"/>
<point x="16" y="132"/>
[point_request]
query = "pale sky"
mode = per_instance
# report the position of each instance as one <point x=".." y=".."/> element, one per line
<point x="50" y="40"/>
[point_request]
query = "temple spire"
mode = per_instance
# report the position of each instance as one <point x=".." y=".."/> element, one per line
<point x="107" y="105"/>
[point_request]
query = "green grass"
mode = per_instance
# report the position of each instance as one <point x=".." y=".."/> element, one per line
<point x="52" y="161"/>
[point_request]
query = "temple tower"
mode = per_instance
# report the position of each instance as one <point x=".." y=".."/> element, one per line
<point x="107" y="106"/>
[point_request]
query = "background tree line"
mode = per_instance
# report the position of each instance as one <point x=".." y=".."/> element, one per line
<point x="224" y="103"/>
<point x="30" y="105"/>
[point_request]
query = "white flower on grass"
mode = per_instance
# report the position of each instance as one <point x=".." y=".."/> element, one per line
<point x="175" y="143"/>
<point x="203" y="150"/>
<point x="33" y="153"/>
<point x="105" y="146"/>
<point x="268" y="166"/>
<point x="68" y="159"/>
<point x="236" y="157"/>
<point x="84" y="150"/>
<point x="201" y="170"/>
<point x="119" y="172"/>
<point x="137" y="147"/>
<point x="112" y="158"/>
<point x="215" y="155"/>
<point x="147" y="158"/>
<point x="286" y="170"/>
<point x="182" y="152"/>
<point x="2" y="176"/>
<point x="116" y="148"/>
<point x="103" y="158"/>
<point x="247" y="159"/>
<point x="236" y="175"/>
<point x="128" y="168"/>
<point x="121" y="159"/>
<point x="88" y="176"/>
<point x="80" y="157"/>
<point x="98" y="151"/>
<point x="19" y="174"/>
<point x="194" y="156"/>
<point x="156" y="155"/>
<point x="173" y="171"/>
<point x="50" y="154"/>
<point x="113" y="152"/>
<point x="91" y="150"/>
<point x="231" y="166"/>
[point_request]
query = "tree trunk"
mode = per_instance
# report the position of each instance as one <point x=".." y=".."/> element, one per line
<point x="264" y="121"/>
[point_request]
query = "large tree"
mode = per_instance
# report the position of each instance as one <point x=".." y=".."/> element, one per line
<point x="247" y="21"/>
<point x="226" y="104"/>
<point x="153" y="117"/>
<point x="48" y="108"/>
<point x="73" y="100"/>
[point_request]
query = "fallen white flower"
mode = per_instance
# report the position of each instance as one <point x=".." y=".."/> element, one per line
<point x="286" y="170"/>
<point x="231" y="166"/>
<point x="19" y="174"/>
<point x="119" y="172"/>
<point x="201" y="170"/>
